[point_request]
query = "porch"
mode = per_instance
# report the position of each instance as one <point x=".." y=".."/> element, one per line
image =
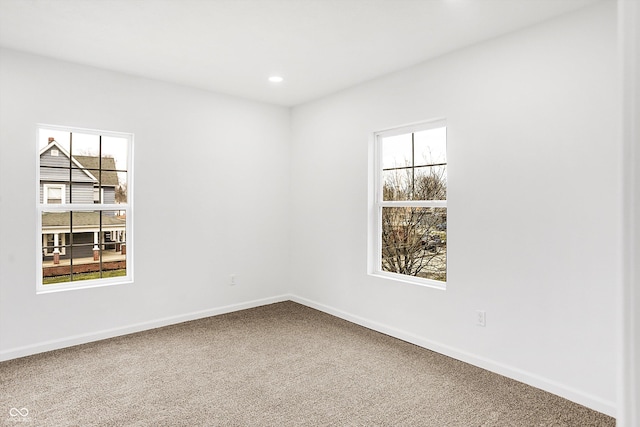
<point x="108" y="255"/>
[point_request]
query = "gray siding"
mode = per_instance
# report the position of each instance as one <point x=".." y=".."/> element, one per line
<point x="83" y="184"/>
<point x="109" y="195"/>
<point x="59" y="175"/>
<point x="82" y="191"/>
<point x="84" y="251"/>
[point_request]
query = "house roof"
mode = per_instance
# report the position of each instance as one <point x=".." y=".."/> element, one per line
<point x="80" y="219"/>
<point x="109" y="177"/>
<point x="90" y="165"/>
<point x="67" y="155"/>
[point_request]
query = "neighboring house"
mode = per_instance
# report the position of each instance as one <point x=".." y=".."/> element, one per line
<point x="72" y="180"/>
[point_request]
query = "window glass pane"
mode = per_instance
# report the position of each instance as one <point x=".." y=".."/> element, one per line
<point x="430" y="183"/>
<point x="113" y="186"/>
<point x="113" y="244"/>
<point x="55" y="222"/>
<point x="52" y="275"/>
<point x="396" y="151"/>
<point x="431" y="146"/>
<point x="82" y="253"/>
<point x="414" y="241"/>
<point x="421" y="183"/>
<point x="85" y="145"/>
<point x="117" y="149"/>
<point x="120" y="191"/>
<point x="415" y="169"/>
<point x="396" y="184"/>
<point x="55" y="262"/>
<point x="47" y="136"/>
<point x="51" y="173"/>
<point x="97" y="245"/>
<point x="109" y="187"/>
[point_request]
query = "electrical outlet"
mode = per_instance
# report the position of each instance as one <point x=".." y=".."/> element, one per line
<point x="232" y="280"/>
<point x="481" y="318"/>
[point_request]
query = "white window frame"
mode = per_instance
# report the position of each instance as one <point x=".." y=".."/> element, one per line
<point x="127" y="208"/>
<point x="45" y="192"/>
<point x="376" y="203"/>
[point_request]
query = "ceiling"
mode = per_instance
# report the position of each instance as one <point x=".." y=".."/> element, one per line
<point x="233" y="46"/>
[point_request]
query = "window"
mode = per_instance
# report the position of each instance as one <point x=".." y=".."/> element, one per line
<point x="85" y="218"/>
<point x="53" y="193"/>
<point x="409" y="215"/>
<point x="98" y="194"/>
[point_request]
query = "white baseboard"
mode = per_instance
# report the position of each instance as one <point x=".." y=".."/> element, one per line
<point x="534" y="380"/>
<point x="569" y="393"/>
<point x="28" y="350"/>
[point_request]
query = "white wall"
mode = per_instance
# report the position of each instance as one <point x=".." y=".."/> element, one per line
<point x="534" y="205"/>
<point x="211" y="199"/>
<point x="629" y="20"/>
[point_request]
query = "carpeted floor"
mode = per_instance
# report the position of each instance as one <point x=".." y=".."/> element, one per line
<point x="278" y="365"/>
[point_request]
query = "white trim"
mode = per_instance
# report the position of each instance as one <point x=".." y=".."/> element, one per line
<point x="85" y="207"/>
<point x="419" y="281"/>
<point x="82" y="229"/>
<point x="413" y="203"/>
<point x="532" y="379"/>
<point x="74" y="129"/>
<point x="14" y="353"/>
<point x="82" y="284"/>
<point x="415" y="127"/>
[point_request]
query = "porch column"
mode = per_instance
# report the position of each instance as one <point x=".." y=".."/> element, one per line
<point x="96" y="248"/>
<point x="56" y="250"/>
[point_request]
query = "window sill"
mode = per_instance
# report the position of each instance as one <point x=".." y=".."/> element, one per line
<point x="427" y="283"/>
<point x="84" y="284"/>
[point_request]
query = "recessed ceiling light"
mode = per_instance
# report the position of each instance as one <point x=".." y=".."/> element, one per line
<point x="276" y="79"/>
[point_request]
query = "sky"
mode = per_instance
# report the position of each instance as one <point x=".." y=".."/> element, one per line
<point x="430" y="147"/>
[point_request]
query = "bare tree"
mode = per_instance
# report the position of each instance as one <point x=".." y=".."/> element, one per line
<point x="121" y="193"/>
<point x="414" y="238"/>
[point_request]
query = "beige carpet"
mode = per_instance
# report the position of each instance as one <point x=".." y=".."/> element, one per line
<point x="278" y="365"/>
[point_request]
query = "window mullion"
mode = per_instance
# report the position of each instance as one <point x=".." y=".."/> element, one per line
<point x="70" y="167"/>
<point x="413" y="203"/>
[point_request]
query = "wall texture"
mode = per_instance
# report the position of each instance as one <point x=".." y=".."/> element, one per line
<point x="211" y="199"/>
<point x="534" y="205"/>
